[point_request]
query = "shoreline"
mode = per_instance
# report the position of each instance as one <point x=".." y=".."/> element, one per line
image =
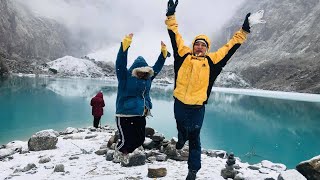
<point x="72" y="141"/>
<point x="168" y="82"/>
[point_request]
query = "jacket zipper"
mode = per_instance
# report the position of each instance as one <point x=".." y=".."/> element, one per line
<point x="185" y="94"/>
<point x="144" y="100"/>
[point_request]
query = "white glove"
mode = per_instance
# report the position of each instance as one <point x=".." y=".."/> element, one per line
<point x="256" y="18"/>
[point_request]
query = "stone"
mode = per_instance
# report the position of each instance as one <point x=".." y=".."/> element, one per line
<point x="29" y="167"/>
<point x="136" y="158"/>
<point x="149" y="132"/>
<point x="113" y="139"/>
<point x="59" y="168"/>
<point x="228" y="173"/>
<point x="90" y="136"/>
<point x="310" y="168"/>
<point x="109" y="155"/>
<point x="157" y="172"/>
<point x="43" y="140"/>
<point x="158" y="137"/>
<point x="44" y="160"/>
<point x="101" y="152"/>
<point x="291" y="174"/>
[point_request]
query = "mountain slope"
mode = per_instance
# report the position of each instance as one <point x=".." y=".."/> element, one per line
<point x="282" y="54"/>
<point x="71" y="66"/>
<point x="27" y="38"/>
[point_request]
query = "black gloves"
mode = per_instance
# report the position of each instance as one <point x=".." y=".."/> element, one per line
<point x="169" y="54"/>
<point x="171" y="7"/>
<point x="246" y="25"/>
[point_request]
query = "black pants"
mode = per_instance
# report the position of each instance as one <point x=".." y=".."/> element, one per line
<point x="132" y="133"/>
<point x="96" y="121"/>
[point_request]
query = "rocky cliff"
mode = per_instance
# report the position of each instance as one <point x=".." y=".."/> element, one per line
<point x="26" y="38"/>
<point x="284" y="53"/>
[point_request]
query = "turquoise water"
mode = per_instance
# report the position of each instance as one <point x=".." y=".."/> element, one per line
<point x="254" y="128"/>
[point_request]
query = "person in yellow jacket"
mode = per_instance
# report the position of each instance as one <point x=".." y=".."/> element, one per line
<point x="195" y="72"/>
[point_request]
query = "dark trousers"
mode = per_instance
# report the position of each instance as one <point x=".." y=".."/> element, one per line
<point x="96" y="121"/>
<point x="189" y="122"/>
<point x="131" y="132"/>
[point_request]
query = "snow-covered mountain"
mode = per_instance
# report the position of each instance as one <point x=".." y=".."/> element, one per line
<point x="71" y="66"/>
<point x="282" y="54"/>
<point x="26" y="36"/>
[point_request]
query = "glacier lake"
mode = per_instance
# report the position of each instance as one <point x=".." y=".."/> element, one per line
<point x="254" y="128"/>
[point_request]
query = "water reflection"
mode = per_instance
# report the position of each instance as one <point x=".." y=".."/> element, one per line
<point x="255" y="128"/>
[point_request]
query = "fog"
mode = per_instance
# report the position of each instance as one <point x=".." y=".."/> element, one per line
<point x="103" y="23"/>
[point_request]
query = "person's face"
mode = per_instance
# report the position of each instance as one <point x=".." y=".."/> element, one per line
<point x="199" y="48"/>
<point x="142" y="75"/>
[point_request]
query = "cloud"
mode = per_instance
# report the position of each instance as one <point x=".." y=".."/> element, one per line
<point x="103" y="23"/>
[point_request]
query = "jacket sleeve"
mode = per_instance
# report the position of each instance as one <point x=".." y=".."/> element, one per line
<point x="91" y="102"/>
<point x="179" y="49"/>
<point x="158" y="65"/>
<point x="224" y="53"/>
<point x="121" y="63"/>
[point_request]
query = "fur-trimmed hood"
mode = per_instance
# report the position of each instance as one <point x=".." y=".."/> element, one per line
<point x="145" y="69"/>
<point x="140" y="65"/>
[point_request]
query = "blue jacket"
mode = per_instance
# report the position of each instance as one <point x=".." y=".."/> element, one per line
<point x="133" y="93"/>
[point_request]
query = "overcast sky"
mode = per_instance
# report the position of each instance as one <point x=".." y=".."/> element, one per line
<point x="105" y="22"/>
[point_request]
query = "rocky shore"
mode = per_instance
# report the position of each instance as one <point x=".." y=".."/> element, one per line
<point x="88" y="153"/>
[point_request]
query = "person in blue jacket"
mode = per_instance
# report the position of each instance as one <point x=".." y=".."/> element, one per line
<point x="133" y="102"/>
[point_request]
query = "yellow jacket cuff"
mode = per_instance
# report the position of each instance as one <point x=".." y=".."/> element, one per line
<point x="126" y="42"/>
<point x="164" y="51"/>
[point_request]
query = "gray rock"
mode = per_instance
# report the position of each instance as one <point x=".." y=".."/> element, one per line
<point x="104" y="146"/>
<point x="113" y="139"/>
<point x="101" y="152"/>
<point x="73" y="157"/>
<point x="253" y="167"/>
<point x="158" y="137"/>
<point x="149" y="132"/>
<point x="48" y="167"/>
<point x="69" y="130"/>
<point x="161" y="157"/>
<point x="109" y="155"/>
<point x="29" y="167"/>
<point x="6" y="152"/>
<point x="43" y="140"/>
<point x="59" y="168"/>
<point x="149" y="144"/>
<point x="137" y="158"/>
<point x="310" y="168"/>
<point x="157" y="172"/>
<point x="273" y="166"/>
<point x="90" y="136"/>
<point x="44" y="160"/>
<point x="228" y="173"/>
<point x="291" y="174"/>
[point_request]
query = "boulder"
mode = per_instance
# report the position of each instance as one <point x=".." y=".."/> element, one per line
<point x="310" y="168"/>
<point x="43" y="140"/>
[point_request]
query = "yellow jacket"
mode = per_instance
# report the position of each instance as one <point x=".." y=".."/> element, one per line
<point x="194" y="76"/>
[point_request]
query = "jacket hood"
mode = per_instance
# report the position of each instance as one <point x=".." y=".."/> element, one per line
<point x="139" y="62"/>
<point x="100" y="95"/>
<point x="140" y="65"/>
<point x="145" y="69"/>
<point x="202" y="37"/>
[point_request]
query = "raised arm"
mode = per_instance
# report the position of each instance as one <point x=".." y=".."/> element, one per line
<point x="161" y="59"/>
<point x="179" y="49"/>
<point x="224" y="53"/>
<point x="122" y="57"/>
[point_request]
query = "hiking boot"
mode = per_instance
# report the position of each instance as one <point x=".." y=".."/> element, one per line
<point x="124" y="159"/>
<point x="191" y="175"/>
<point x="119" y="157"/>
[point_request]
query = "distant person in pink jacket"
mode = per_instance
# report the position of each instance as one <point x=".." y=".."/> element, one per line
<point x="97" y="104"/>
